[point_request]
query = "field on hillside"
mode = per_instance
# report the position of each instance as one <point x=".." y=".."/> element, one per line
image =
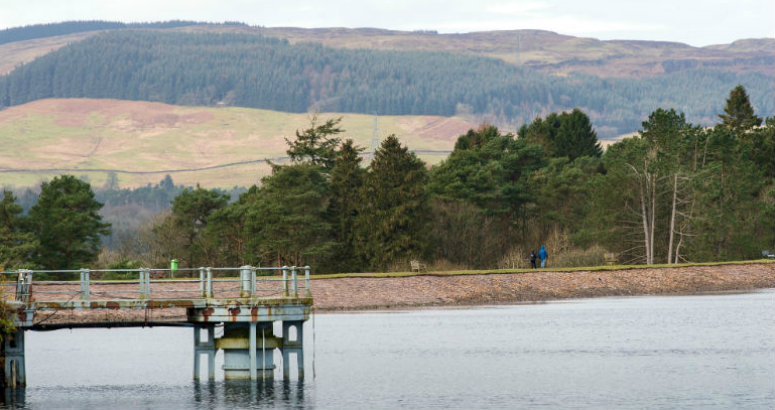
<point x="148" y="140"/>
<point x="20" y="52"/>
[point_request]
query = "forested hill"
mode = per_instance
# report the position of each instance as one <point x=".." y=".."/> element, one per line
<point x="254" y="71"/>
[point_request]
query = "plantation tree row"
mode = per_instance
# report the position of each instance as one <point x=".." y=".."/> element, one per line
<point x="675" y="192"/>
<point x="261" y="72"/>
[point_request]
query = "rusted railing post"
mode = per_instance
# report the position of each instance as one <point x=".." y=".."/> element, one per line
<point x="85" y="284"/>
<point x="294" y="282"/>
<point x="209" y="282"/>
<point x="285" y="281"/>
<point x="306" y="282"/>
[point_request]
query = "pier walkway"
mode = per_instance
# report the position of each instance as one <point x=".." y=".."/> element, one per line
<point x="245" y="301"/>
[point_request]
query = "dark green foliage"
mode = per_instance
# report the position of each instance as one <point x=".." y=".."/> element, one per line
<point x="286" y="225"/>
<point x="738" y="113"/>
<point x="317" y="144"/>
<point x="393" y="218"/>
<point x="562" y="192"/>
<point x="576" y="138"/>
<point x="565" y="135"/>
<point x="225" y="233"/>
<point x="347" y="179"/>
<point x="254" y="71"/>
<point x="489" y="170"/>
<point x="17" y="245"/>
<point x="66" y="222"/>
<point x="190" y="212"/>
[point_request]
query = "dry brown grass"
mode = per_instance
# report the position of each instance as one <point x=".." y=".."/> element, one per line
<point x="86" y="134"/>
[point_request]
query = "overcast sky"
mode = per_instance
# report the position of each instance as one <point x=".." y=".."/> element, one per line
<point x="695" y="22"/>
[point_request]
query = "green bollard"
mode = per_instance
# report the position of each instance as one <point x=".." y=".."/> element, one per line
<point x="173" y="267"/>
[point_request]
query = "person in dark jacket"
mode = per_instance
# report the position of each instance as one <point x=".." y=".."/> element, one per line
<point x="543" y="255"/>
<point x="533" y="257"/>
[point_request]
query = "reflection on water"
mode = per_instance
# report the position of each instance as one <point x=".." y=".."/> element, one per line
<point x="239" y="394"/>
<point x="679" y="352"/>
<point x="198" y="395"/>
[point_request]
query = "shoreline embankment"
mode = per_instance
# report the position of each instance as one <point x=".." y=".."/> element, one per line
<point x="420" y="290"/>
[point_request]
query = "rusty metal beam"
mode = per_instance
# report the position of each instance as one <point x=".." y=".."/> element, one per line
<point x="116" y="304"/>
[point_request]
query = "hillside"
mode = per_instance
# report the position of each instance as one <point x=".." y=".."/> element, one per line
<point x="546" y="51"/>
<point x="153" y="139"/>
<point x="250" y="70"/>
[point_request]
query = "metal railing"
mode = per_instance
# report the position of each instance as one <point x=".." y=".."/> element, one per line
<point x="241" y="282"/>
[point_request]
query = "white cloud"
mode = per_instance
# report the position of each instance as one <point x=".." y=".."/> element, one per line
<point x="516" y="9"/>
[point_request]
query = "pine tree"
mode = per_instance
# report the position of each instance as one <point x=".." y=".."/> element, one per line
<point x="316" y="144"/>
<point x="738" y="113"/>
<point x="286" y="224"/>
<point x="392" y="223"/>
<point x="67" y="223"/>
<point x="16" y="244"/>
<point x="346" y="181"/>
<point x="576" y="138"/>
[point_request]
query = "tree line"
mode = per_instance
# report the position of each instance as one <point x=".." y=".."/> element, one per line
<point x="260" y="72"/>
<point x="676" y="192"/>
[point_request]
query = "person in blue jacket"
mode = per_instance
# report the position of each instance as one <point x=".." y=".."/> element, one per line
<point x="543" y="255"/>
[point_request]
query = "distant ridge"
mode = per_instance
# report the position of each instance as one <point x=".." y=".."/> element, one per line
<point x="238" y="68"/>
<point x="36" y="31"/>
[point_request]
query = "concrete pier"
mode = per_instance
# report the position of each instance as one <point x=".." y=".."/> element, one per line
<point x="247" y="315"/>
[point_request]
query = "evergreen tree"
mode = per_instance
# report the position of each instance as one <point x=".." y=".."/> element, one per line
<point x="489" y="170"/>
<point x="565" y="135"/>
<point x="17" y="245"/>
<point x="286" y="225"/>
<point x="392" y="221"/>
<point x="66" y="221"/>
<point x="316" y="144"/>
<point x="738" y="113"/>
<point x="346" y="182"/>
<point x="576" y="138"/>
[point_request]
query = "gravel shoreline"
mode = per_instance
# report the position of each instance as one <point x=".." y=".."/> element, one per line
<point x="427" y="290"/>
<point x="500" y="288"/>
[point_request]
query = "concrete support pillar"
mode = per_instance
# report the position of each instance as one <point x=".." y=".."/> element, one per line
<point x="14" y="369"/>
<point x="204" y="347"/>
<point x="248" y="350"/>
<point x="293" y="345"/>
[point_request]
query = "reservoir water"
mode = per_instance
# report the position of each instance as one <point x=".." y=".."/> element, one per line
<point x="671" y="352"/>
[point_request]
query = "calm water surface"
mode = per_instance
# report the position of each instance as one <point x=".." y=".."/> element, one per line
<point x="677" y="352"/>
